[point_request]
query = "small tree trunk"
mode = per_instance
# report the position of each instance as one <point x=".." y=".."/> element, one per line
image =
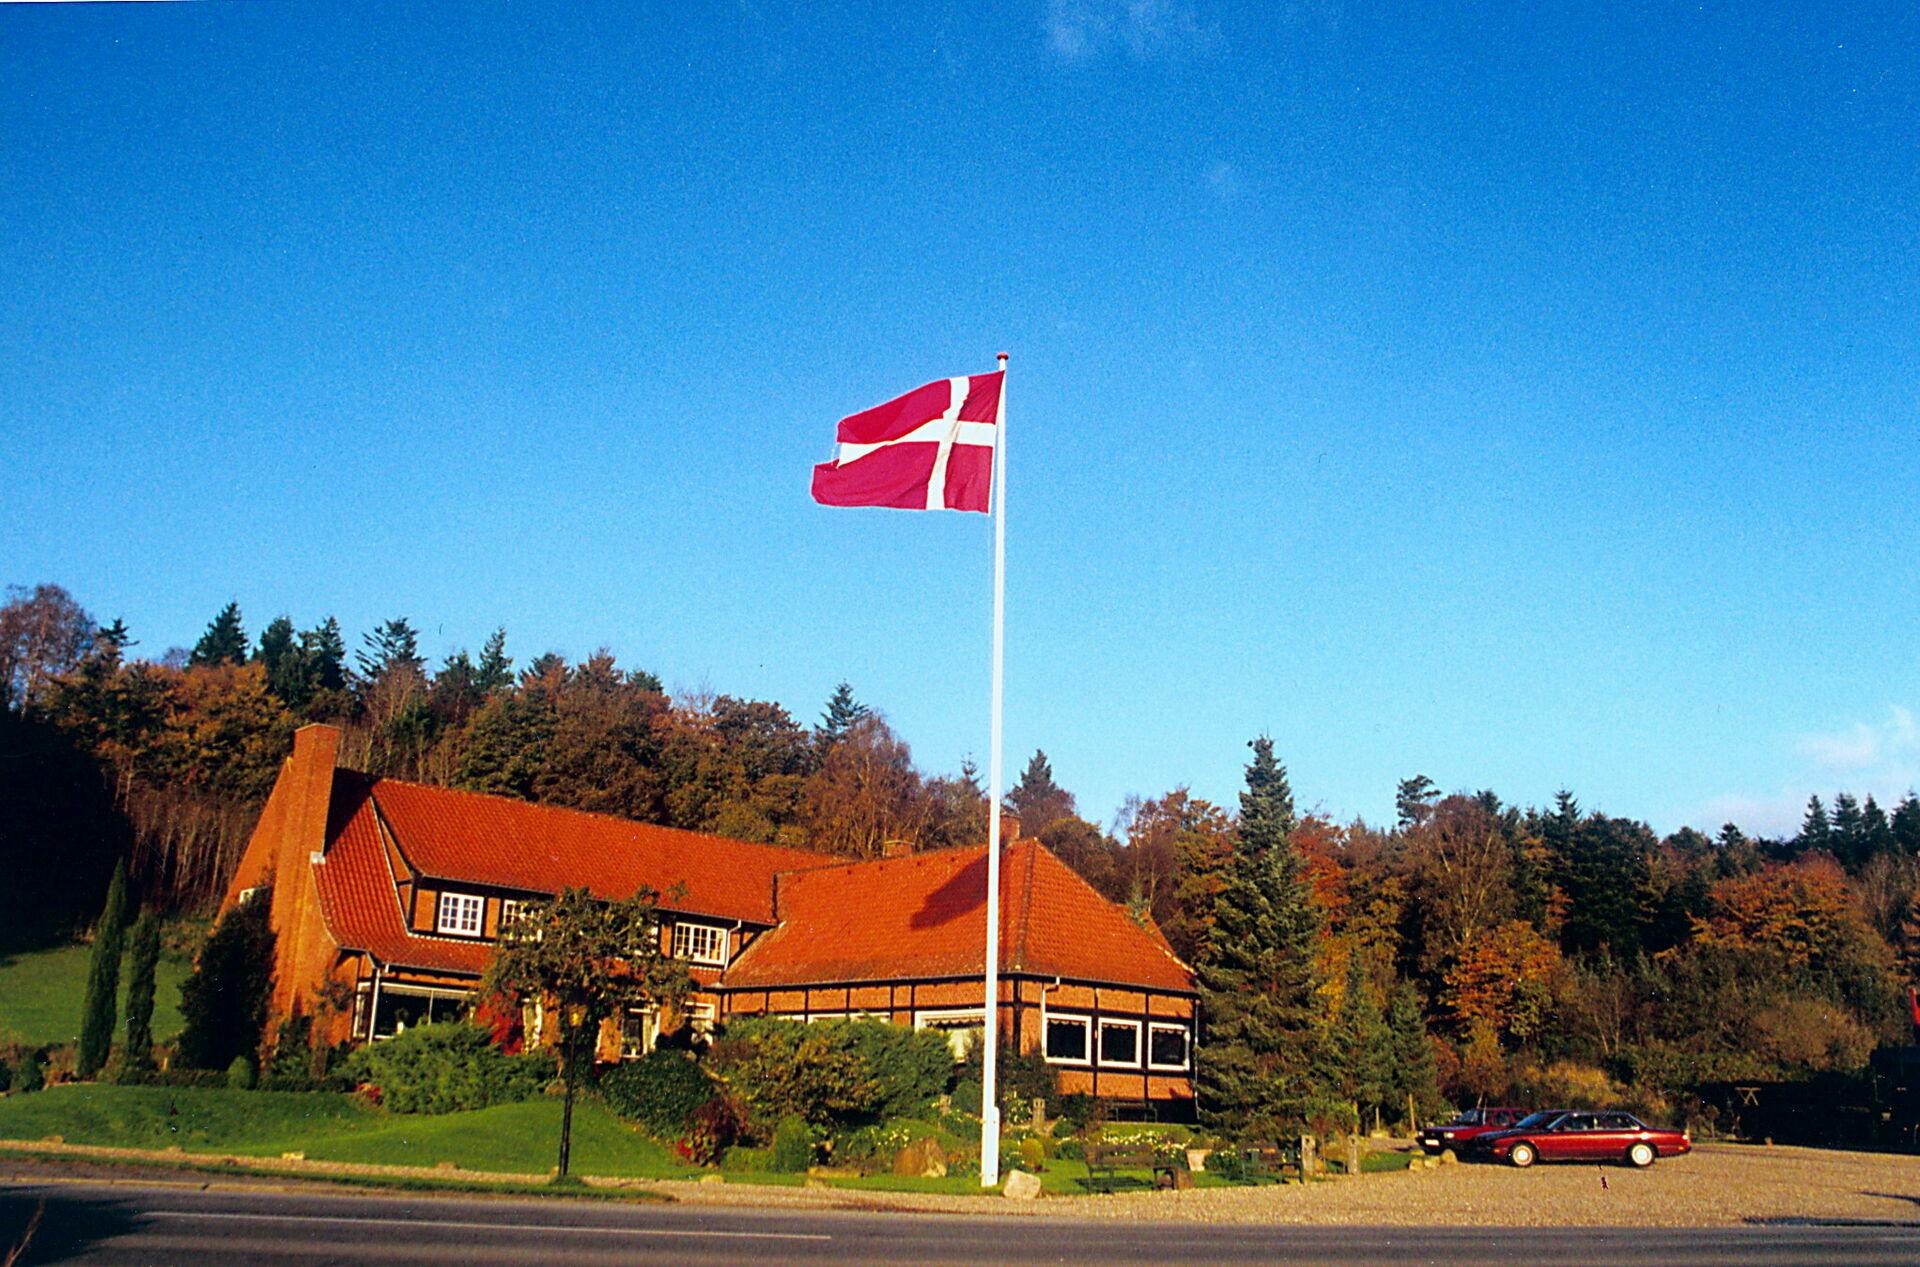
<point x="568" y="1056"/>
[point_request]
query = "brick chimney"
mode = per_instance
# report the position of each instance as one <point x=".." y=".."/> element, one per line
<point x="307" y="782"/>
<point x="1009" y="827"/>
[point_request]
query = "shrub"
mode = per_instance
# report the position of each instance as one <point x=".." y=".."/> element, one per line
<point x="32" y="1076"/>
<point x="1033" y="1154"/>
<point x="793" y="1144"/>
<point x="1077" y="1112"/>
<point x="905" y="1069"/>
<point x="661" y="1091"/>
<point x="967" y="1097"/>
<point x="224" y="1001"/>
<point x="778" y="1069"/>
<point x="6" y="1074"/>
<point x="445" y="1068"/>
<point x="240" y="1074"/>
<point x="1229" y="1163"/>
<point x="710" y="1132"/>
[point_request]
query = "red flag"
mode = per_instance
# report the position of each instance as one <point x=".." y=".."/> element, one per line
<point x="931" y="449"/>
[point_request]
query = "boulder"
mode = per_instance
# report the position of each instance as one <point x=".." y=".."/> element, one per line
<point x="1021" y="1186"/>
<point x="1447" y="1157"/>
<point x="923" y="1158"/>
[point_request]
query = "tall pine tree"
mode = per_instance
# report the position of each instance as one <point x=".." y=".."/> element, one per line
<point x="1815" y="831"/>
<point x="495" y="670"/>
<point x="1362" y="1044"/>
<point x="224" y="642"/>
<point x="1037" y="799"/>
<point x="1415" y="1073"/>
<point x="843" y="712"/>
<point x="103" y="978"/>
<point x="1258" y="1054"/>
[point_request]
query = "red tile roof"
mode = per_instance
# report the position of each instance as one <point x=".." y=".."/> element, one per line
<point x="358" y="898"/>
<point x="924" y="916"/>
<point x="540" y="848"/>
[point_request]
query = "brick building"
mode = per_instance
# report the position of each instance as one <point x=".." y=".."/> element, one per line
<point x="387" y="897"/>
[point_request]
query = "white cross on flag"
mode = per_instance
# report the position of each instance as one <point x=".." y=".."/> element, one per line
<point x="931" y="449"/>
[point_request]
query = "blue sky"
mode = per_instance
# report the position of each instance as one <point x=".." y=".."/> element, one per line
<point x="1522" y="397"/>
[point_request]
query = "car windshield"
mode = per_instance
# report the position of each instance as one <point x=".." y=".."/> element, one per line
<point x="1533" y="1121"/>
<point x="1468" y="1117"/>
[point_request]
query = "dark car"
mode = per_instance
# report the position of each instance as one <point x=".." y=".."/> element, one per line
<point x="1581" y="1135"/>
<point x="1467" y="1125"/>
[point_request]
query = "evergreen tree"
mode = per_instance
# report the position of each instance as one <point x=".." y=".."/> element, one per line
<point x="1363" y="1045"/>
<point x="495" y="670"/>
<point x="1415" y="1074"/>
<point x="1876" y="832"/>
<point x="224" y="1001"/>
<point x="1037" y="799"/>
<point x="143" y="958"/>
<point x="283" y="658"/>
<point x="1731" y="837"/>
<point x="325" y="652"/>
<point x="1846" y="835"/>
<point x="103" y="978"/>
<point x="1258" y="1057"/>
<point x="1815" y="832"/>
<point x="843" y="711"/>
<point x="1906" y="825"/>
<point x="113" y="640"/>
<point x="1414" y="800"/>
<point x="394" y="644"/>
<point x="224" y="642"/>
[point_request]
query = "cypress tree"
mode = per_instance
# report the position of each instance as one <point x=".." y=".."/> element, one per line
<point x="224" y="1001"/>
<point x="103" y="978"/>
<point x="143" y="957"/>
<point x="1258" y="1056"/>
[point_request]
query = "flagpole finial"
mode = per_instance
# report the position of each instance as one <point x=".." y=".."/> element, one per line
<point x="1003" y="360"/>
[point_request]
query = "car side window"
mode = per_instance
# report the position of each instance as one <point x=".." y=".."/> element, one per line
<point x="1619" y="1122"/>
<point x="1580" y="1122"/>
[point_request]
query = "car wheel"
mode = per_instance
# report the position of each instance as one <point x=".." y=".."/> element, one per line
<point x="1522" y="1155"/>
<point x="1640" y="1156"/>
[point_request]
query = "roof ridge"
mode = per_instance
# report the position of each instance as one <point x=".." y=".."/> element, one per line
<point x="377" y="779"/>
<point x="850" y="863"/>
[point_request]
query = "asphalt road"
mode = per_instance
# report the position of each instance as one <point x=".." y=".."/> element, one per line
<point x="162" y="1224"/>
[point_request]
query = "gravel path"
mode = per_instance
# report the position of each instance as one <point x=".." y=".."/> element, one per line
<point x="1718" y="1185"/>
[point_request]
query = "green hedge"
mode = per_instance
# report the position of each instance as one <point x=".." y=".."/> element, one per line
<point x="837" y="1072"/>
<point x="661" y="1091"/>
<point x="445" y="1068"/>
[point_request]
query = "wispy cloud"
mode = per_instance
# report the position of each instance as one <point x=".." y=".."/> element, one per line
<point x="1869" y="758"/>
<point x="1867" y="746"/>
<point x="1142" y="30"/>
<point x="1223" y="179"/>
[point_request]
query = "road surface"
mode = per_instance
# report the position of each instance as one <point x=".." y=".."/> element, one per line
<point x="88" y="1222"/>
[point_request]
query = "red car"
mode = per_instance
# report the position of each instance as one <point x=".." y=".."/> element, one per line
<point x="1467" y="1125"/>
<point x="1580" y="1135"/>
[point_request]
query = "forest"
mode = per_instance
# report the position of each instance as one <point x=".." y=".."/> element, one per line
<point x="1471" y="950"/>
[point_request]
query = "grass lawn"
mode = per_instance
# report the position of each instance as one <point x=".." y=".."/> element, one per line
<point x="510" y="1137"/>
<point x="41" y="992"/>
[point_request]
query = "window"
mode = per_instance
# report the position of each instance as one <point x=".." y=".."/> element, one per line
<point x="1068" y="1040"/>
<point x="510" y="912"/>
<point x="402" y="1007"/>
<point x="964" y="1027"/>
<point x="1120" y="1043"/>
<point x="700" y="943"/>
<point x="638" y="1028"/>
<point x="460" y="914"/>
<point x="1167" y="1047"/>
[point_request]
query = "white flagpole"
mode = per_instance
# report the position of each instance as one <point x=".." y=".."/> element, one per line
<point x="989" y="1099"/>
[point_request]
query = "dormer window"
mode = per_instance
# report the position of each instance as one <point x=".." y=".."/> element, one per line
<point x="459" y="914"/>
<point x="700" y="943"/>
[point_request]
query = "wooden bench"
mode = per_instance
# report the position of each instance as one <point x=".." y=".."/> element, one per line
<point x="1280" y="1163"/>
<point x="1106" y="1161"/>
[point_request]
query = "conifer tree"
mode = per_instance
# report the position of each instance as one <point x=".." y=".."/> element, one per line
<point x="394" y="644"/>
<point x="1362" y="1044"/>
<point x="1876" y="832"/>
<point x="143" y="958"/>
<point x="1415" y="1075"/>
<point x="326" y="655"/>
<point x="1815" y="832"/>
<point x="1847" y="833"/>
<point x="103" y="978"/>
<point x="224" y="642"/>
<point x="1258" y="1056"/>
<point x="1037" y="799"/>
<point x="1414" y="800"/>
<point x="495" y="670"/>
<point x="224" y="1001"/>
<point x="843" y="711"/>
<point x="1906" y="825"/>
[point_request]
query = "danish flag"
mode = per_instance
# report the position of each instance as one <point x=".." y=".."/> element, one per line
<point x="931" y="449"/>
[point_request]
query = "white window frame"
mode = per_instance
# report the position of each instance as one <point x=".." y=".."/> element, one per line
<point x="955" y="1022"/>
<point x="1139" y="1047"/>
<point x="649" y="1024"/>
<point x="1186" y="1036"/>
<point x="1067" y="1018"/>
<point x="450" y="914"/>
<point x="702" y="1019"/>
<point x="715" y="958"/>
<point x="511" y="909"/>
